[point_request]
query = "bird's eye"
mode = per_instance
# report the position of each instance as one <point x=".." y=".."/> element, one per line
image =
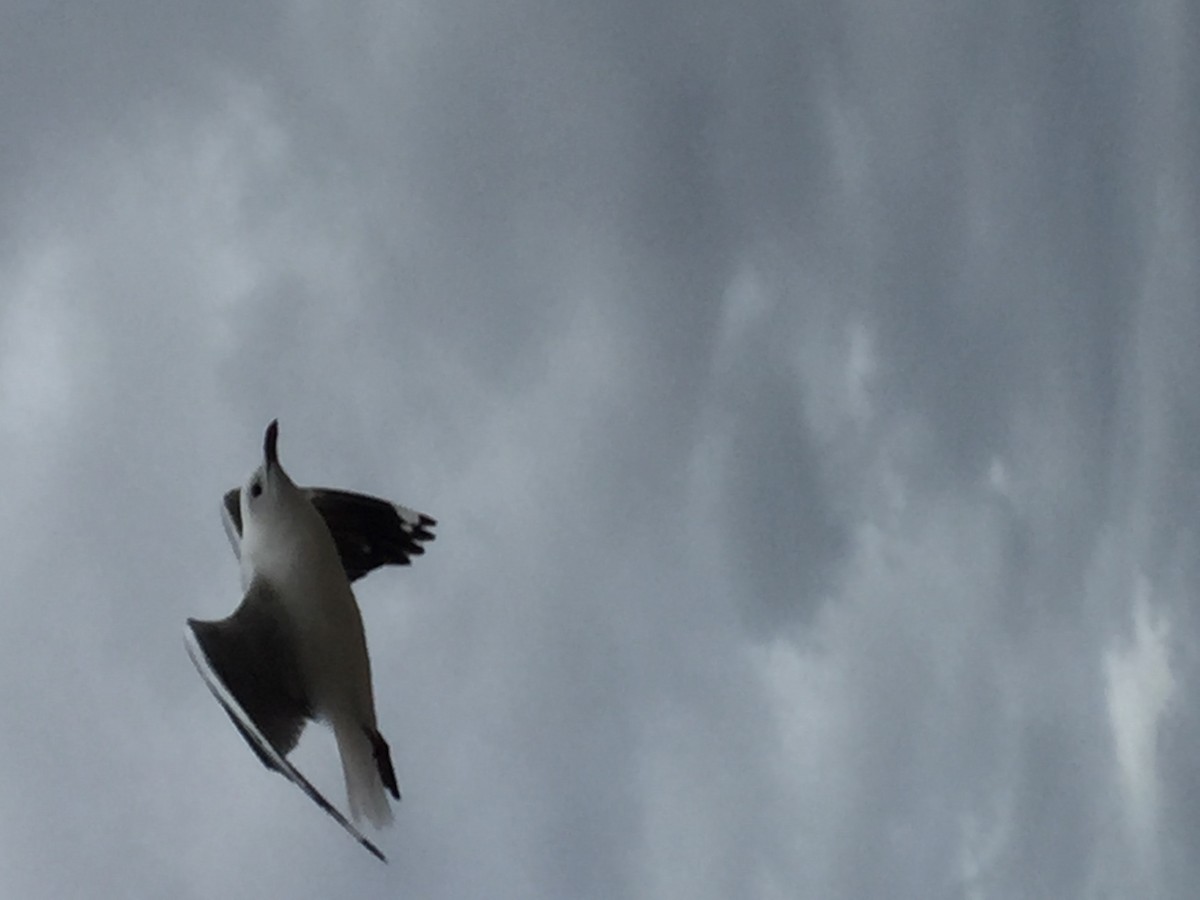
<point x="255" y="488"/>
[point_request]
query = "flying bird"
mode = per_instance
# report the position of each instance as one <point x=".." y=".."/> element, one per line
<point x="294" y="649"/>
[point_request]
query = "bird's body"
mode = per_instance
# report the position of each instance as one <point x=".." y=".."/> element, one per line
<point x="294" y="649"/>
<point x="287" y="545"/>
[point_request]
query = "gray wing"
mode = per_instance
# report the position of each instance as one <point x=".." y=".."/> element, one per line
<point x="369" y="532"/>
<point x="254" y="656"/>
<point x="265" y="748"/>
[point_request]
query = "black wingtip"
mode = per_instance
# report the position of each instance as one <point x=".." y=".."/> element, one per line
<point x="423" y="530"/>
<point x="375" y="851"/>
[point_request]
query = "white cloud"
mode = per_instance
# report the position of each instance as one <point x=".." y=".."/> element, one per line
<point x="38" y="381"/>
<point x="1139" y="690"/>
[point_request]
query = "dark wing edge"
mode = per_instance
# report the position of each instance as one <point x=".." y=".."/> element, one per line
<point x="265" y="750"/>
<point x="231" y="518"/>
<point x="370" y="532"/>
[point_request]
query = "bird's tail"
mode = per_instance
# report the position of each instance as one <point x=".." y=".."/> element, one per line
<point x="360" y="748"/>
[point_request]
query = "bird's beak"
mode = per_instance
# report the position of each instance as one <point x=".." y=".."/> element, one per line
<point x="269" y="440"/>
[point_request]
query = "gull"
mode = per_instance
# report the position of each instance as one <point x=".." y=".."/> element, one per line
<point x="294" y="649"/>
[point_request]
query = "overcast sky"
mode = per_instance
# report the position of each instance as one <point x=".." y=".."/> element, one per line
<point x="806" y="393"/>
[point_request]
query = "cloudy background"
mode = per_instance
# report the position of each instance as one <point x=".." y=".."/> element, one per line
<point x="806" y="393"/>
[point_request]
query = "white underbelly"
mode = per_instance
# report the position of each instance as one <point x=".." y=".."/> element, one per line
<point x="332" y="650"/>
<point x="325" y="622"/>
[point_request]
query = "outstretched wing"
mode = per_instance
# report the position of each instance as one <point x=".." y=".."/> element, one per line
<point x="253" y="655"/>
<point x="249" y="667"/>
<point x="369" y="532"/>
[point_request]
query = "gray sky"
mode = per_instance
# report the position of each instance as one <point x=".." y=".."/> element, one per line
<point x="806" y="393"/>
